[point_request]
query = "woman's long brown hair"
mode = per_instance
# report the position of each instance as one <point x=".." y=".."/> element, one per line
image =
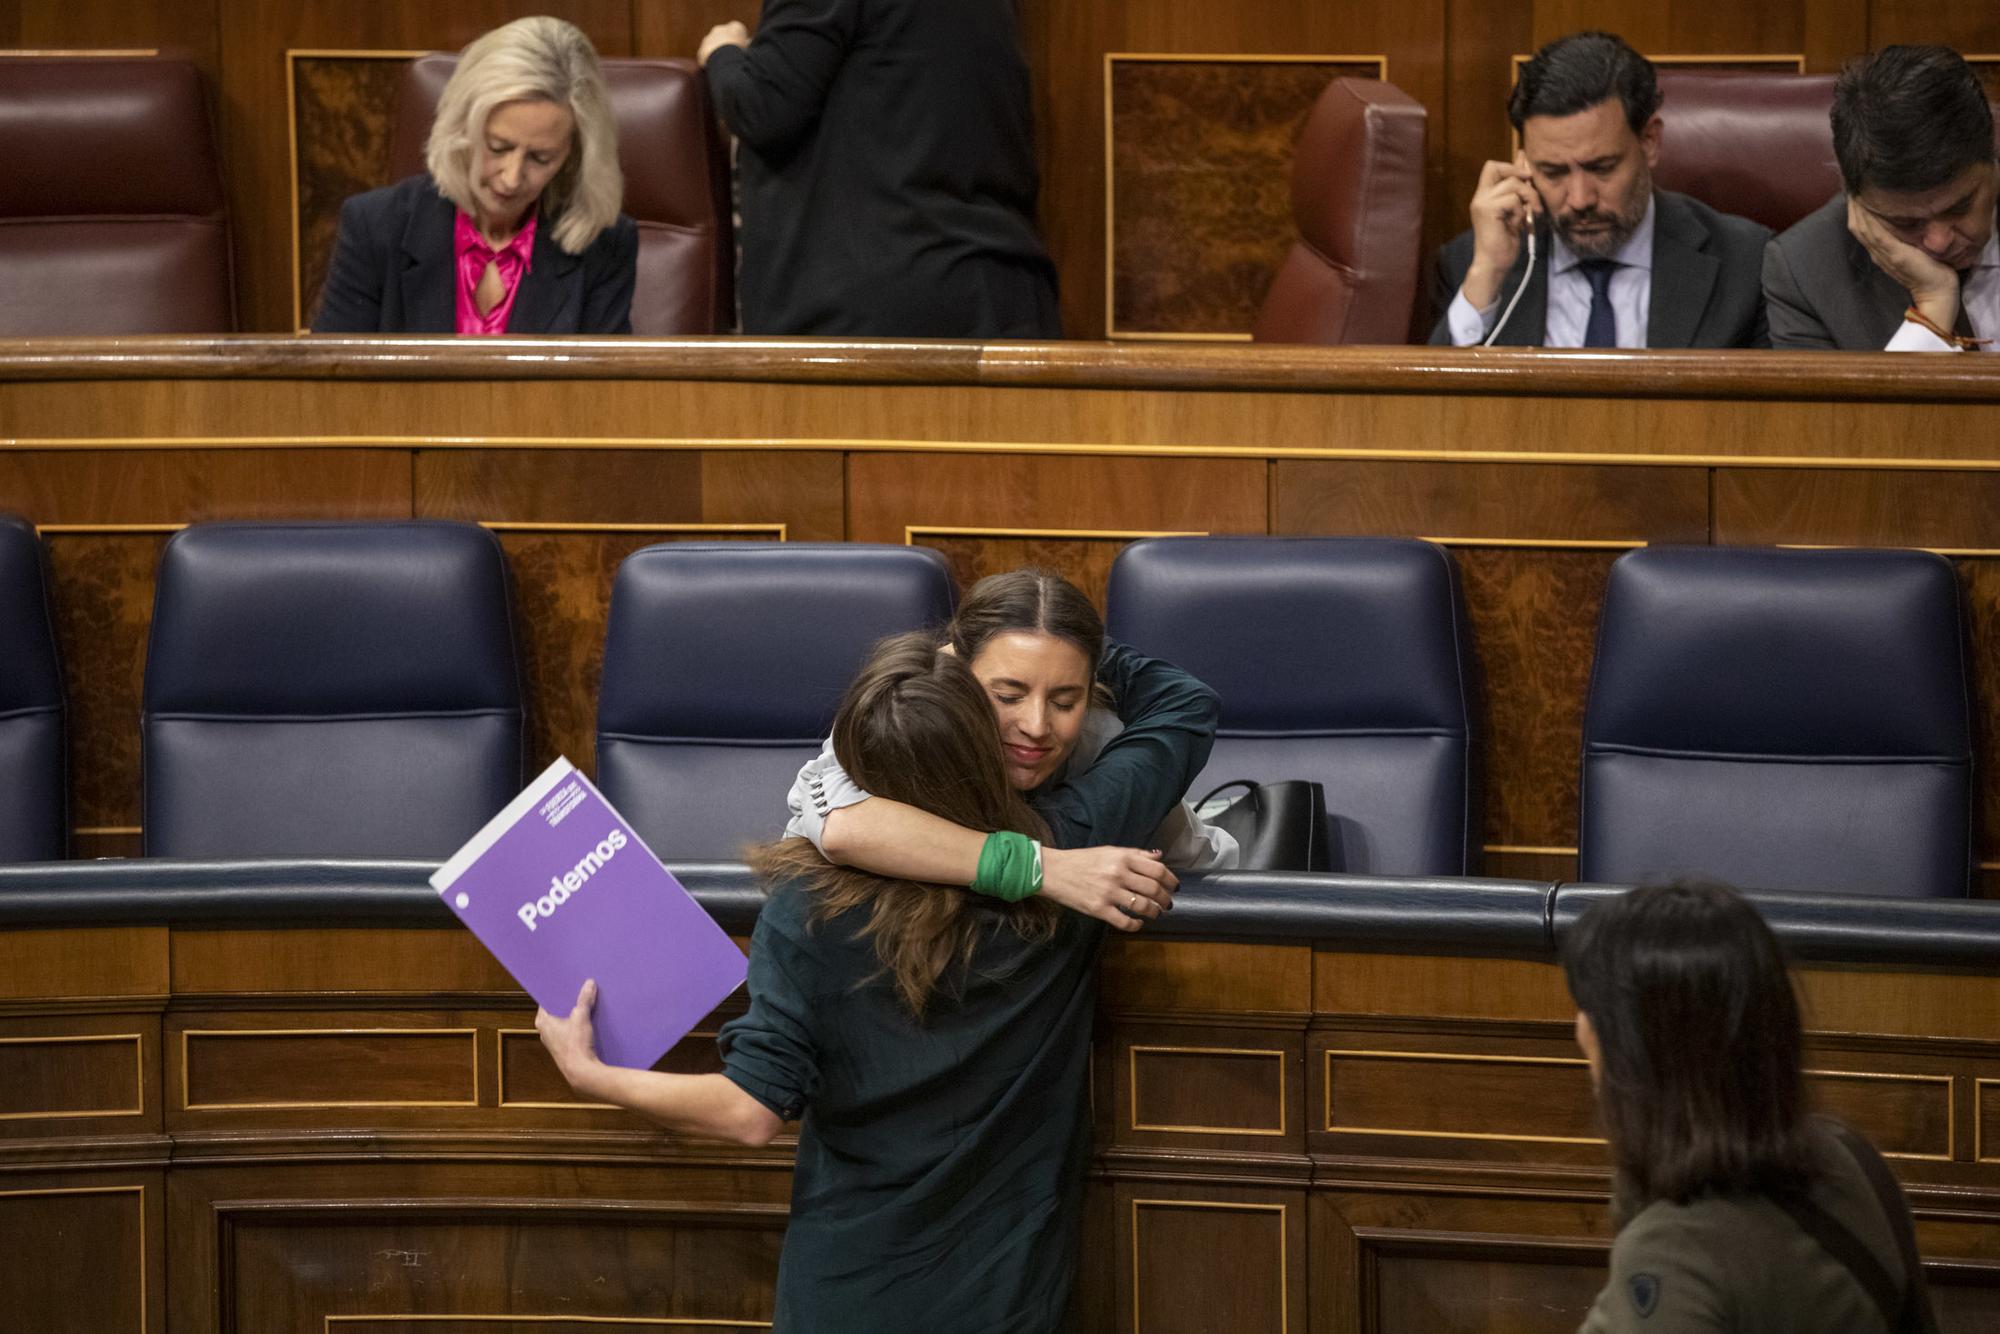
<point x="915" y="727"/>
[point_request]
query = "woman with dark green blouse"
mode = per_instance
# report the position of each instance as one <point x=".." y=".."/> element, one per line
<point x="932" y="1042"/>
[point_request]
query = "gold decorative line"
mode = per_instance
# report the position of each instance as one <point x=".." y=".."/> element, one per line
<point x="1979" y="1087"/>
<point x="292" y="56"/>
<point x="1544" y="543"/>
<point x="1135" y="336"/>
<point x="1989" y="866"/>
<point x="1950" y="1106"/>
<point x="1439" y="1056"/>
<point x="104" y="529"/>
<point x="1132" y="1070"/>
<point x="138" y="1075"/>
<point x="647" y="1321"/>
<point x="863" y="445"/>
<point x="1794" y="59"/>
<point x="524" y="526"/>
<point x="915" y="530"/>
<point x="140" y="1191"/>
<point x="89" y="830"/>
<point x="1898" y="546"/>
<point x="1530" y="850"/>
<point x="190" y="1106"/>
<point x="86" y="53"/>
<point x="1284" y="1247"/>
<point x="1111" y="329"/>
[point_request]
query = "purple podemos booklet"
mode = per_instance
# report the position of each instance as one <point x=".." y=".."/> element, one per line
<point x="560" y="889"/>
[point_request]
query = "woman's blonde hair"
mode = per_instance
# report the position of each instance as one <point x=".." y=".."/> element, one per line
<point x="915" y="727"/>
<point x="545" y="60"/>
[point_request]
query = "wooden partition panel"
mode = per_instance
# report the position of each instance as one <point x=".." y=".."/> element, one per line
<point x="362" y="1134"/>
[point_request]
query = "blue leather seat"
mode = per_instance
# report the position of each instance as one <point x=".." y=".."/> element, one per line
<point x="329" y="689"/>
<point x="1780" y="720"/>
<point x="723" y="665"/>
<point x="1342" y="660"/>
<point x="34" y="818"/>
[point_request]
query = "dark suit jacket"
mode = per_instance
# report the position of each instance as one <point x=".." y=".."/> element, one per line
<point x="1825" y="292"/>
<point x="394" y="271"/>
<point x="1706" y="291"/>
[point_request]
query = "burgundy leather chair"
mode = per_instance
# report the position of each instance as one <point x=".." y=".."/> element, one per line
<point x="1755" y="143"/>
<point x="1358" y="200"/>
<point x="676" y="184"/>
<point x="112" y="214"/>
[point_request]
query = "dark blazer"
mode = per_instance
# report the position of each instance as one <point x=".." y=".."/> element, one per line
<point x="394" y="271"/>
<point x="1706" y="287"/>
<point x="1825" y="292"/>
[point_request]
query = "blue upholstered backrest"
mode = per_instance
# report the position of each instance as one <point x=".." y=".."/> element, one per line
<point x="340" y="689"/>
<point x="1342" y="660"/>
<point x="34" y="817"/>
<point x="1780" y="720"/>
<point x="723" y="665"/>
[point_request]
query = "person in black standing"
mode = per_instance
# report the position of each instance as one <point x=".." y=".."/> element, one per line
<point x="886" y="160"/>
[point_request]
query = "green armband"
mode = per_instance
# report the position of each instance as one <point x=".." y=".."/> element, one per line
<point x="1010" y="867"/>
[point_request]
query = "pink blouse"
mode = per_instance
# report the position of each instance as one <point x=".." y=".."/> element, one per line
<point x="473" y="257"/>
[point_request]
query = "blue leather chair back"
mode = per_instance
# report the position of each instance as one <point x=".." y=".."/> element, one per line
<point x="340" y="689"/>
<point x="723" y="665"/>
<point x="34" y="817"/>
<point x="1780" y="720"/>
<point x="1342" y="660"/>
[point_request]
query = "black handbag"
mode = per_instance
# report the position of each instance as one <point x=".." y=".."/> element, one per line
<point x="1278" y="826"/>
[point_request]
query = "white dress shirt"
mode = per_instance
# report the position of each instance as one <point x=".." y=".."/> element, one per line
<point x="1978" y="292"/>
<point x="1569" y="295"/>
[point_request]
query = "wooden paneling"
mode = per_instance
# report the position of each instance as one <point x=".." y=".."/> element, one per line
<point x="183" y="27"/>
<point x="1214" y="1260"/>
<point x="1909" y="1115"/>
<point x="77" y="1259"/>
<point x="342" y="112"/>
<point x="1205" y="1088"/>
<point x="1372" y="1090"/>
<point x="1071" y="514"/>
<point x="676" y="27"/>
<point x="605" y="1263"/>
<point x="1413" y="984"/>
<point x="234" y="1069"/>
<point x="84" y="963"/>
<point x="1200" y="194"/>
<point x="46" y="1080"/>
<point x="251" y="961"/>
<point x="1162" y="975"/>
<point x="1477" y="1285"/>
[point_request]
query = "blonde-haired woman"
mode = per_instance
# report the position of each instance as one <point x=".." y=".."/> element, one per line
<point x="515" y="227"/>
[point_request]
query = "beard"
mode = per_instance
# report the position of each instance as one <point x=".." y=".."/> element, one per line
<point x="1609" y="230"/>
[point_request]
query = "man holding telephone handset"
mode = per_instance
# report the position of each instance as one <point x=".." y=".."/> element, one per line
<point x="1571" y="246"/>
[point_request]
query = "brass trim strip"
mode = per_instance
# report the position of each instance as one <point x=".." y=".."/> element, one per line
<point x="145" y="1306"/>
<point x="912" y="531"/>
<point x="1529" y="849"/>
<point x="292" y="56"/>
<point x="1111" y="329"/>
<point x="1897" y="1076"/>
<point x="80" y="53"/>
<point x="104" y="529"/>
<point x="188" y="1106"/>
<point x="138" y="1042"/>
<point x="1132" y="1074"/>
<point x="1284" y="1248"/>
<point x="1544" y="543"/>
<point x="1326" y="1091"/>
<point x="527" y="526"/>
<point x="646" y="1321"/>
<point x="1968" y="552"/>
<point x="105" y="829"/>
<point x="865" y="445"/>
<point x="1979" y="1087"/>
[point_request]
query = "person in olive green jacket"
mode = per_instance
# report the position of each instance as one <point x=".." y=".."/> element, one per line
<point x="1736" y="1209"/>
